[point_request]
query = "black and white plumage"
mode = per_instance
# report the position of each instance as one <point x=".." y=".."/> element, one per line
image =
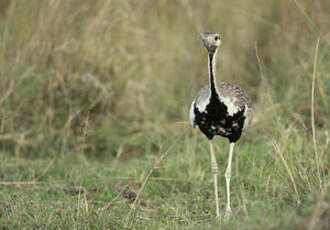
<point x="222" y="109"/>
<point x="226" y="114"/>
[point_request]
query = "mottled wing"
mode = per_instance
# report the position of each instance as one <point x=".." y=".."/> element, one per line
<point x="241" y="99"/>
<point x="202" y="98"/>
<point x="234" y="91"/>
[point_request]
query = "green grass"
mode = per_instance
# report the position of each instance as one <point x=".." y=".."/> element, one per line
<point x="94" y="100"/>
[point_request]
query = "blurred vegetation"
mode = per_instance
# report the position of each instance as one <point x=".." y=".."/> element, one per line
<point x="91" y="78"/>
<point x="133" y="68"/>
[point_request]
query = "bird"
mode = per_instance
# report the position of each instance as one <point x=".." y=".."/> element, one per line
<point x="220" y="109"/>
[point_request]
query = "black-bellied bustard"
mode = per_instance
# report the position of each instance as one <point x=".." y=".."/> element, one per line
<point x="222" y="109"/>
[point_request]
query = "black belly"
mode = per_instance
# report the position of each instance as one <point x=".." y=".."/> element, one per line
<point x="215" y="120"/>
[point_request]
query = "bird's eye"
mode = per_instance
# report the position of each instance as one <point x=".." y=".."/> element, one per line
<point x="216" y="38"/>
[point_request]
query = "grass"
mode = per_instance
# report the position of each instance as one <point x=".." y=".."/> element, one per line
<point x="94" y="100"/>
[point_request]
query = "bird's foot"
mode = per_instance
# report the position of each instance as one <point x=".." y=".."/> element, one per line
<point x="228" y="212"/>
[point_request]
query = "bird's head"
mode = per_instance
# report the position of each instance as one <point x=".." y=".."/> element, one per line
<point x="211" y="41"/>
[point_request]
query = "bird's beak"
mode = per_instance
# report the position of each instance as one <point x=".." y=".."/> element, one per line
<point x="202" y="36"/>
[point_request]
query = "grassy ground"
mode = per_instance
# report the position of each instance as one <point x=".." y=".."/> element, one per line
<point x="94" y="100"/>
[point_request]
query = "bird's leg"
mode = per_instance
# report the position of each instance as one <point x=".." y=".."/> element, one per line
<point x="214" y="167"/>
<point x="228" y="176"/>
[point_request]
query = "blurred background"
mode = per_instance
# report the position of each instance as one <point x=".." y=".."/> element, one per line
<point x="132" y="68"/>
<point x="92" y="90"/>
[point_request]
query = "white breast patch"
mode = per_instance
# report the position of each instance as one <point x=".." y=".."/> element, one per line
<point x="230" y="103"/>
<point x="201" y="106"/>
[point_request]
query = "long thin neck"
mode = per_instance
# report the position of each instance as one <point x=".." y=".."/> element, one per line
<point x="213" y="81"/>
